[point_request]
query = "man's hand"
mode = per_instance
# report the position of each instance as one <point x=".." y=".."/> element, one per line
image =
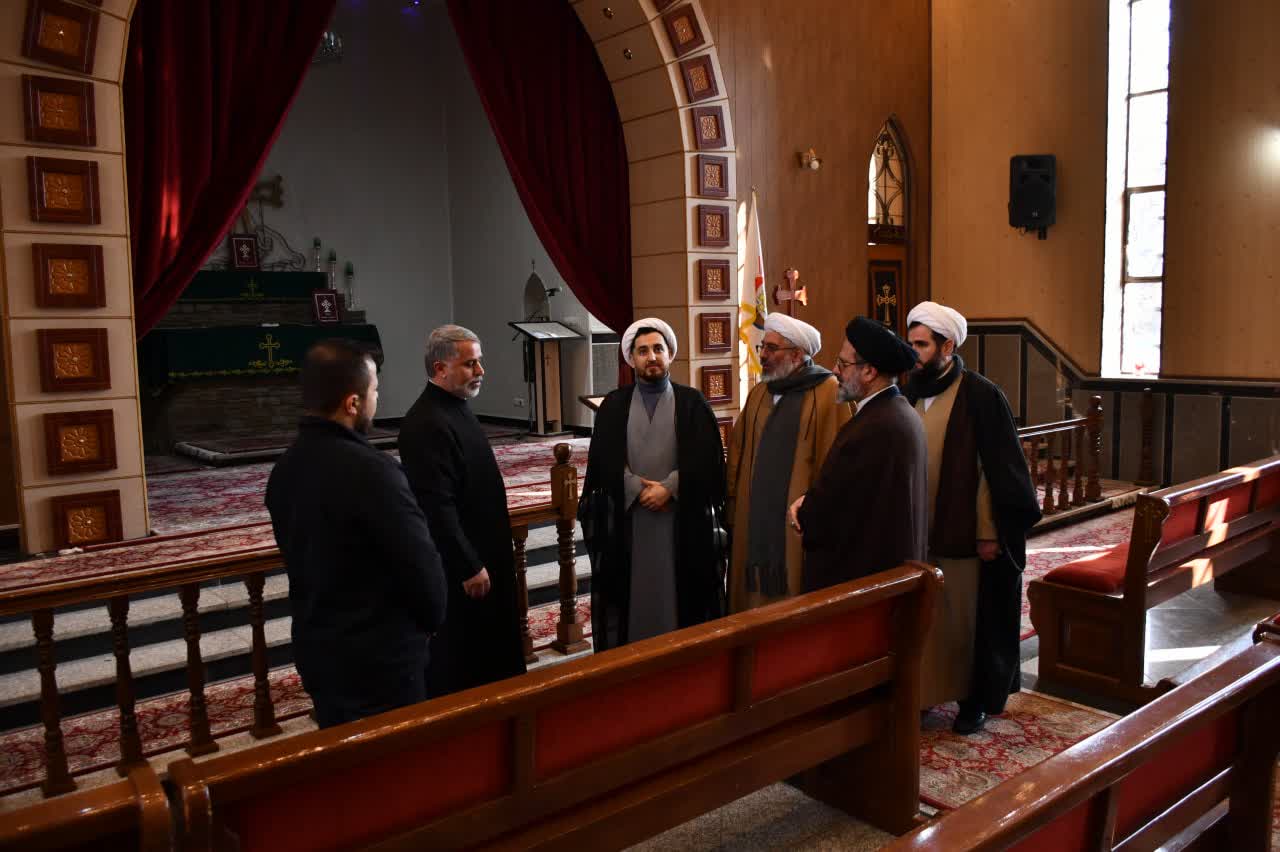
<point x="478" y="586"/>
<point x="988" y="549"/>
<point x="655" y="496"/>
<point x="793" y="515"/>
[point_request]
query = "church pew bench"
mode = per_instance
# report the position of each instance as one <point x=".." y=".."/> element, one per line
<point x="1193" y="769"/>
<point x="1090" y="614"/>
<point x="605" y="751"/>
<point x="131" y="814"/>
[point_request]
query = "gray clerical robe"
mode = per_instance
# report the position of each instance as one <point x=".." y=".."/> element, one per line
<point x="651" y="454"/>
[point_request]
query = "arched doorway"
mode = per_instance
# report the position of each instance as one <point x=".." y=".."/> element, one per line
<point x="888" y="228"/>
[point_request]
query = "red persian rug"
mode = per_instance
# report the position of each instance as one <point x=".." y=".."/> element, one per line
<point x="955" y="769"/>
<point x="1067" y="544"/>
<point x="92" y="740"/>
<point x="232" y="496"/>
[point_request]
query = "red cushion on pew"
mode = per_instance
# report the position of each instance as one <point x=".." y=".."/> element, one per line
<point x="1229" y="505"/>
<point x="1098" y="573"/>
<point x="1269" y="491"/>
<point x="358" y="805"/>
<point x="1181" y="523"/>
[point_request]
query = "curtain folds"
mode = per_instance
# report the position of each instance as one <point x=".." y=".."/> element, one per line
<point x="552" y="110"/>
<point x="207" y="86"/>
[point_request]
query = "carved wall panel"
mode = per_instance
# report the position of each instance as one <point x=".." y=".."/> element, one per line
<point x="61" y="34"/>
<point x="63" y="191"/>
<point x="68" y="276"/>
<point x="713" y="176"/>
<point x="58" y="110"/>
<point x="80" y="441"/>
<point x="713" y="225"/>
<point x="715" y="332"/>
<point x="683" y="30"/>
<point x="73" y="359"/>
<point x="714" y="277"/>
<point x="717" y="384"/>
<point x="708" y="127"/>
<point x="80" y="520"/>
<point x="699" y="78"/>
<point x="725" y="425"/>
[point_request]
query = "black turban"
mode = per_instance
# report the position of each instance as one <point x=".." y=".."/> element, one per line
<point x="879" y="346"/>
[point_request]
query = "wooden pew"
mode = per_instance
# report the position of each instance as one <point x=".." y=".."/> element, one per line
<point x="603" y="752"/>
<point x="128" y="814"/>
<point x="1091" y="614"/>
<point x="1196" y="766"/>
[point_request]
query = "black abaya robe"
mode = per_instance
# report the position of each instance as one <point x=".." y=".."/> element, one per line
<point x="701" y="543"/>
<point x="454" y="475"/>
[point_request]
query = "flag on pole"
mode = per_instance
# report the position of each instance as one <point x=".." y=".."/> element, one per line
<point x="752" y="308"/>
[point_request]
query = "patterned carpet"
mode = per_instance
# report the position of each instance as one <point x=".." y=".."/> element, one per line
<point x="1067" y="544"/>
<point x="92" y="740"/>
<point x="232" y="496"/>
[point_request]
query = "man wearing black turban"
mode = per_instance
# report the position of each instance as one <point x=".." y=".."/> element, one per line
<point x="867" y="510"/>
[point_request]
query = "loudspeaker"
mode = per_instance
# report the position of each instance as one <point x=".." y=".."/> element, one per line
<point x="1032" y="188"/>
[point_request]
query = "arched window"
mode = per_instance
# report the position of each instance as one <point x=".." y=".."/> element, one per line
<point x="887" y="190"/>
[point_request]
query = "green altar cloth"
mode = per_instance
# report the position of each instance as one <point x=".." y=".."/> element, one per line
<point x="246" y="286"/>
<point x="169" y="355"/>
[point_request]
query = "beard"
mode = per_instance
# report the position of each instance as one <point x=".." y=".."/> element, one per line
<point x="932" y="370"/>
<point x="363" y="423"/>
<point x="848" y="392"/>
<point x="646" y="375"/>
<point x="471" y="390"/>
<point x="781" y="371"/>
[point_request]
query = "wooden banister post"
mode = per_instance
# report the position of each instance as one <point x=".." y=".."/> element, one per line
<point x="264" y="712"/>
<point x="201" y="741"/>
<point x="1077" y="491"/>
<point x="1049" y="507"/>
<point x="1147" y="467"/>
<point x="57" y="779"/>
<point x="564" y="494"/>
<point x="130" y="741"/>
<point x="1064" y="460"/>
<point x="1093" y="488"/>
<point x="519" y="538"/>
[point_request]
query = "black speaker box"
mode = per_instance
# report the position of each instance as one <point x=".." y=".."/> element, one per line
<point x="1032" y="190"/>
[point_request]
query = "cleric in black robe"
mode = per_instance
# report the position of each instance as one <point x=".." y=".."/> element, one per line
<point x="366" y="587"/>
<point x="456" y="479"/>
<point x="980" y="424"/>
<point x="654" y="437"/>
<point x="866" y="510"/>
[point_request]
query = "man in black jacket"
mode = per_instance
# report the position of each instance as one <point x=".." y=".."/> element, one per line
<point x="365" y="582"/>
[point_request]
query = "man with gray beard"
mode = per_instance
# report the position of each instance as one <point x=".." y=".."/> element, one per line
<point x="454" y="475"/>
<point x="778" y="445"/>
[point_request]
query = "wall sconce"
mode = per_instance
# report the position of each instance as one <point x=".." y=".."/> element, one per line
<point x="809" y="160"/>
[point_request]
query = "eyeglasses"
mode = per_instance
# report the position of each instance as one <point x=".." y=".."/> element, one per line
<point x="770" y="348"/>
<point x="841" y="363"/>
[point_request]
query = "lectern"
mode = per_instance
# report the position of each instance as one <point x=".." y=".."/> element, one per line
<point x="542" y="372"/>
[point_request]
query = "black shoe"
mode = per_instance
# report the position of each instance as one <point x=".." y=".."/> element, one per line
<point x="969" y="723"/>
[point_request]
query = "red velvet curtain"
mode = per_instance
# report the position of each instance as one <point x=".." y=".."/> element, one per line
<point x="207" y="85"/>
<point x="551" y="108"/>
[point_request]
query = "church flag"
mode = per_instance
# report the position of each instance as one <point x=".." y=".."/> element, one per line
<point x="752" y="308"/>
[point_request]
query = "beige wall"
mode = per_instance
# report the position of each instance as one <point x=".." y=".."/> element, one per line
<point x="1021" y="78"/>
<point x="824" y="74"/>
<point x="24" y="400"/>
<point x="1222" y="241"/>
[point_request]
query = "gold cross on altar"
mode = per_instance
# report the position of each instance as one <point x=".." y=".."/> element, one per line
<point x="252" y="291"/>
<point x="270" y="345"/>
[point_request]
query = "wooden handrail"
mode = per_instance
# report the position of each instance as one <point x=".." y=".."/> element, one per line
<point x="103" y="817"/>
<point x="1072" y="452"/>
<point x="115" y="588"/>
<point x="1186" y="492"/>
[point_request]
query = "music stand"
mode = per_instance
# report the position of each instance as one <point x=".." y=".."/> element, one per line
<point x="542" y="347"/>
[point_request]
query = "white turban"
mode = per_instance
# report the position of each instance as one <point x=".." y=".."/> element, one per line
<point x="802" y="334"/>
<point x="948" y="322"/>
<point x="648" y="322"/>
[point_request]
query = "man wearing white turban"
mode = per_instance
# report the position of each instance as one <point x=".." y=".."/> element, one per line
<point x="652" y="509"/>
<point x="778" y="445"/>
<point x="981" y="505"/>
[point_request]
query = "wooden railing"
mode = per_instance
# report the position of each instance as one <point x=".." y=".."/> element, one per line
<point x="41" y="599"/>
<point x="1064" y="459"/>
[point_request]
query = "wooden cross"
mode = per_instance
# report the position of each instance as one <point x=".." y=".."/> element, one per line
<point x="791" y="294"/>
<point x="887" y="300"/>
<point x="270" y="346"/>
